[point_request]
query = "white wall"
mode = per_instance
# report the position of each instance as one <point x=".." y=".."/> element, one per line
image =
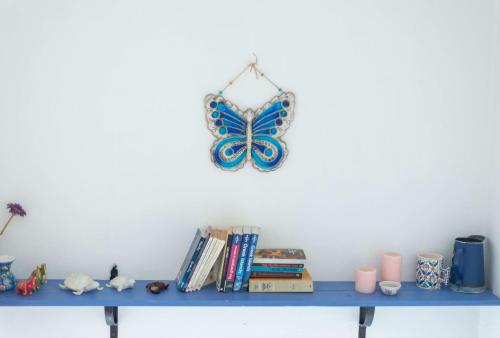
<point x="488" y="327"/>
<point x="494" y="229"/>
<point x="103" y="140"/>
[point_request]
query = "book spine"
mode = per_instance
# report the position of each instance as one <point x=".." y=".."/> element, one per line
<point x="192" y="263"/>
<point x="199" y="264"/>
<point x="226" y="262"/>
<point x="240" y="268"/>
<point x="276" y="275"/>
<point x="279" y="265"/>
<point x="212" y="256"/>
<point x="277" y="285"/>
<point x="233" y="260"/>
<point x="219" y="265"/>
<point x="214" y="273"/>
<point x="275" y="269"/>
<point x="248" y="268"/>
<point x="188" y="256"/>
<point x="260" y="260"/>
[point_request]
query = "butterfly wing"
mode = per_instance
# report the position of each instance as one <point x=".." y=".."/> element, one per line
<point x="229" y="126"/>
<point x="270" y="123"/>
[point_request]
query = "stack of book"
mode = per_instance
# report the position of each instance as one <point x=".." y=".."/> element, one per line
<point x="221" y="255"/>
<point x="280" y="270"/>
<point x="200" y="259"/>
<point x="232" y="270"/>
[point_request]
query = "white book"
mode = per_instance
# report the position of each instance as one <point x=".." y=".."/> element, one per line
<point x="214" y="254"/>
<point x="205" y="263"/>
<point x="219" y="264"/>
<point x="199" y="266"/>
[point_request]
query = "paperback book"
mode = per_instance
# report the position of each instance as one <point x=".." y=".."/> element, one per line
<point x="279" y="256"/>
<point x="200" y="259"/>
<point x="233" y="267"/>
<point x="304" y="284"/>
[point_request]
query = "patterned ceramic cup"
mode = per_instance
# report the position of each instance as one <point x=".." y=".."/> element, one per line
<point x="431" y="273"/>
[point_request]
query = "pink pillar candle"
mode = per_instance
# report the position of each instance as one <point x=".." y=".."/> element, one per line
<point x="366" y="280"/>
<point x="391" y="267"/>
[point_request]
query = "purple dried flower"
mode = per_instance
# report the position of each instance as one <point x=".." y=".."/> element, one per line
<point x="16" y="209"/>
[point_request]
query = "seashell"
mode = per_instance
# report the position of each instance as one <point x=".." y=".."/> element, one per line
<point x="80" y="283"/>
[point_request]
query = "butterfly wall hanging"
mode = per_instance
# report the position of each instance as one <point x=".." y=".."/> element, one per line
<point x="251" y="135"/>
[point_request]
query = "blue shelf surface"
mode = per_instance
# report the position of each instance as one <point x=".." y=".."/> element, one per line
<point x="326" y="294"/>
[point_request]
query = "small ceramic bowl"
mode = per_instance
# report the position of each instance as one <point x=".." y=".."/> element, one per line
<point x="389" y="288"/>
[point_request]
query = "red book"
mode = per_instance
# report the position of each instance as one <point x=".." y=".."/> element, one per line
<point x="278" y="265"/>
<point x="233" y="258"/>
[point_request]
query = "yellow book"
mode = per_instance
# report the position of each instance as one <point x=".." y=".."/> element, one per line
<point x="305" y="284"/>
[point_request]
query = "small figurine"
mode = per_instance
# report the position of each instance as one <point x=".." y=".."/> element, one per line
<point x="31" y="284"/>
<point x="80" y="283"/>
<point x="156" y="287"/>
<point x="41" y="273"/>
<point x="43" y="267"/>
<point x="121" y="283"/>
<point x="26" y="287"/>
<point x="40" y="276"/>
<point x="114" y="272"/>
<point x="22" y="288"/>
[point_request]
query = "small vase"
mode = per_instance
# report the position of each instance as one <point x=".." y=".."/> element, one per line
<point x="7" y="278"/>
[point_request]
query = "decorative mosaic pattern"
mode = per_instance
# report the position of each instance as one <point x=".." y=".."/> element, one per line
<point x="431" y="273"/>
<point x="7" y="278"/>
<point x="251" y="135"/>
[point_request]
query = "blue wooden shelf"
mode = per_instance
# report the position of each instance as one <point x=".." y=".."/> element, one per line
<point x="327" y="294"/>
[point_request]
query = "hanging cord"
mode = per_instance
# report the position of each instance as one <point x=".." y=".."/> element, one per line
<point x="252" y="67"/>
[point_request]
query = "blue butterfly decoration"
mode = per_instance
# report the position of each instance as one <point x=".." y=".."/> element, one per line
<point x="251" y="135"/>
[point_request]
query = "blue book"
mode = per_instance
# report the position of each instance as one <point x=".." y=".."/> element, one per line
<point x="189" y="254"/>
<point x="251" y="253"/>
<point x="275" y="269"/>
<point x="233" y="258"/>
<point x="191" y="259"/>
<point x="242" y="259"/>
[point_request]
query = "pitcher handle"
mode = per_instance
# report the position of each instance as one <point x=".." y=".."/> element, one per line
<point x="478" y="237"/>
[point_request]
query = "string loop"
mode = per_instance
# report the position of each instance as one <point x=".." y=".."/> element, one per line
<point x="252" y="67"/>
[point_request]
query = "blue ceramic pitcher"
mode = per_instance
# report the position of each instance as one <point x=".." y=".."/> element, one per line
<point x="7" y="278"/>
<point x="467" y="268"/>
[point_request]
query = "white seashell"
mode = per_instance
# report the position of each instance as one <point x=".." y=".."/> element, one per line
<point x="121" y="283"/>
<point x="80" y="283"/>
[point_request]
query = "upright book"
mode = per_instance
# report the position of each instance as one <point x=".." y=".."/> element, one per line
<point x="224" y="260"/>
<point x="251" y="253"/>
<point x="233" y="258"/>
<point x="242" y="258"/>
